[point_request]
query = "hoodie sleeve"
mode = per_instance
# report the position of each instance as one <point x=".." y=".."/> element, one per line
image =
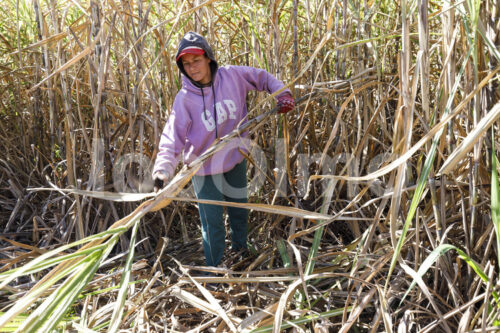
<point x="172" y="141"/>
<point x="259" y="79"/>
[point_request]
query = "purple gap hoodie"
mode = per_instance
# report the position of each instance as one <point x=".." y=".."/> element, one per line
<point x="191" y="126"/>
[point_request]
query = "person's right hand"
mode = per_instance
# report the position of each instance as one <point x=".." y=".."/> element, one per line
<point x="160" y="179"/>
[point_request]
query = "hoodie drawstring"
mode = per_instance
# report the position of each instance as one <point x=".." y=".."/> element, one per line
<point x="215" y="110"/>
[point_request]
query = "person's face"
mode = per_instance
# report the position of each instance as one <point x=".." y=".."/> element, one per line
<point x="197" y="67"/>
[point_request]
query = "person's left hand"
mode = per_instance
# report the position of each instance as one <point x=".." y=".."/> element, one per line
<point x="160" y="179"/>
<point x="285" y="103"/>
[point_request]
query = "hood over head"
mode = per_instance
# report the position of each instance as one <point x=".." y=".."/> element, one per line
<point x="193" y="40"/>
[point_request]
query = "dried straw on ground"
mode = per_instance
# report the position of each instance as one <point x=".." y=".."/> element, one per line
<point x="398" y="229"/>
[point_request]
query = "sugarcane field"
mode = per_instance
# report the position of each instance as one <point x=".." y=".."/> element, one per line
<point x="249" y="166"/>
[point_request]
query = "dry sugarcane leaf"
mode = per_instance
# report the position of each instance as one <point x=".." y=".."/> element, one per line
<point x="468" y="143"/>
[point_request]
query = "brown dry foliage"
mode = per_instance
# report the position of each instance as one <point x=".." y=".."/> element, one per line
<point x="86" y="84"/>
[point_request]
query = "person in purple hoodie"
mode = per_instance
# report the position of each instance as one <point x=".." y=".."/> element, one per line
<point x="211" y="104"/>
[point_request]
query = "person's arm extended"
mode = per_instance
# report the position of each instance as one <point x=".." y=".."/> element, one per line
<point x="172" y="142"/>
<point x="259" y="79"/>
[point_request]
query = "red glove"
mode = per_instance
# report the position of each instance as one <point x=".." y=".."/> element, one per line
<point x="285" y="103"/>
